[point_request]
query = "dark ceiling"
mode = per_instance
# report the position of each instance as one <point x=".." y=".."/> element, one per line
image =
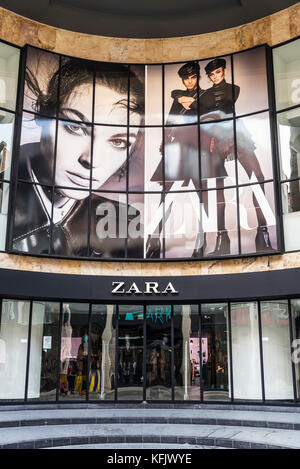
<point x="145" y="19"/>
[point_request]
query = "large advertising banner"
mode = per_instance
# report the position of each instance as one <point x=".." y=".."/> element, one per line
<point x="159" y="161"/>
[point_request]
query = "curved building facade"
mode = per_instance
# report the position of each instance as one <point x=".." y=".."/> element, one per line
<point x="150" y="215"/>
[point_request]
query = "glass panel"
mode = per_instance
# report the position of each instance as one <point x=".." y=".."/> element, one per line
<point x="246" y="365"/>
<point x="286" y="61"/>
<point x="73" y="155"/>
<point x="37" y="149"/>
<point x="111" y="93"/>
<point x="289" y="143"/>
<point x="295" y="306"/>
<point x="216" y="94"/>
<point x="290" y="197"/>
<point x="217" y="154"/>
<point x="136" y="159"/>
<point x="153" y="159"/>
<point x="158" y="353"/>
<point x="153" y="103"/>
<point x="181" y="158"/>
<point x="31" y="232"/>
<point x="257" y="218"/>
<point x="219" y="215"/>
<point x="13" y="348"/>
<point x="130" y="352"/>
<point x="4" y="198"/>
<point x="186" y="353"/>
<point x="153" y="225"/>
<point x="108" y="225"/>
<point x="70" y="222"/>
<point x="215" y="352"/>
<point x="9" y="67"/>
<point x="137" y="95"/>
<point x="254" y="149"/>
<point x="183" y="232"/>
<point x="43" y="351"/>
<point x="250" y="75"/>
<point x="135" y="239"/>
<point x="103" y="346"/>
<point x="74" y="351"/>
<point x="181" y="93"/>
<point x="76" y="89"/>
<point x="276" y="350"/>
<point x="7" y="122"/>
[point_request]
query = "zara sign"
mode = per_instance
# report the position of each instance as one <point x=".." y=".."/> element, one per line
<point x="120" y="288"/>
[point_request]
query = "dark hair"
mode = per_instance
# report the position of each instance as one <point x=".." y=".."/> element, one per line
<point x="75" y="72"/>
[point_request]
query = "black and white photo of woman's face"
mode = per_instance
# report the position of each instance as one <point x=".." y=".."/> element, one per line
<point x="75" y="166"/>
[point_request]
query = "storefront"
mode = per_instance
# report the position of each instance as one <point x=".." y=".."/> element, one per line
<point x="184" y="162"/>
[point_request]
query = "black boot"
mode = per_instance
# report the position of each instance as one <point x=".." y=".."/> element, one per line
<point x="222" y="244"/>
<point x="262" y="240"/>
<point x="153" y="248"/>
<point x="199" y="246"/>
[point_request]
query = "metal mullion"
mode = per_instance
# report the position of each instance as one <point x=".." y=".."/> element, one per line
<point x="199" y="164"/>
<point x="172" y="355"/>
<point x="127" y="165"/>
<point x="236" y="158"/>
<point x="200" y="342"/>
<point x="261" y="351"/>
<point x="54" y="160"/>
<point x="59" y="351"/>
<point x="163" y="164"/>
<point x="92" y="159"/>
<point x="28" y="351"/>
<point x="89" y="354"/>
<point x="116" y="351"/>
<point x="230" y="351"/>
<point x="291" y="349"/>
<point x="144" y="353"/>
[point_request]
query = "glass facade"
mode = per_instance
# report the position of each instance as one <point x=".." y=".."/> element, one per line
<point x="212" y="352"/>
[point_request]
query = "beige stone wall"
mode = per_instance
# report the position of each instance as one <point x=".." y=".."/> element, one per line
<point x="271" y="30"/>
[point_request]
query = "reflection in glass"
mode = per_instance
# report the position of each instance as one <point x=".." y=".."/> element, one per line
<point x="276" y="350"/>
<point x="154" y="216"/>
<point x="254" y="149"/>
<point x="287" y="74"/>
<point x="257" y="218"/>
<point x="246" y="365"/>
<point x="7" y="122"/>
<point x="290" y="198"/>
<point x="9" y="67"/>
<point x="37" y="145"/>
<point x="135" y="232"/>
<point x="186" y="353"/>
<point x="130" y="352"/>
<point x="250" y="75"/>
<point x="289" y="143"/>
<point x="215" y="352"/>
<point x="217" y="153"/>
<point x="153" y="95"/>
<point x="181" y="93"/>
<point x="158" y="353"/>
<point x="181" y="158"/>
<point x="137" y="94"/>
<point x="32" y="223"/>
<point x="295" y="307"/>
<point x="108" y="229"/>
<point x="102" y="359"/>
<point x="41" y="82"/>
<point x="136" y="159"/>
<point x="219" y="215"/>
<point x="13" y="348"/>
<point x="183" y="230"/>
<point x="4" y="198"/>
<point x="42" y="379"/>
<point x="74" y="351"/>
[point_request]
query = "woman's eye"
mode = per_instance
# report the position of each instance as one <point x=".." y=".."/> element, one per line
<point x="76" y="129"/>
<point x="118" y="143"/>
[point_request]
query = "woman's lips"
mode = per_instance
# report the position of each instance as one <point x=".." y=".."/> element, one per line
<point x="78" y="179"/>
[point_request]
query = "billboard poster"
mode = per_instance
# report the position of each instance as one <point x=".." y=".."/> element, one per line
<point x="145" y="161"/>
